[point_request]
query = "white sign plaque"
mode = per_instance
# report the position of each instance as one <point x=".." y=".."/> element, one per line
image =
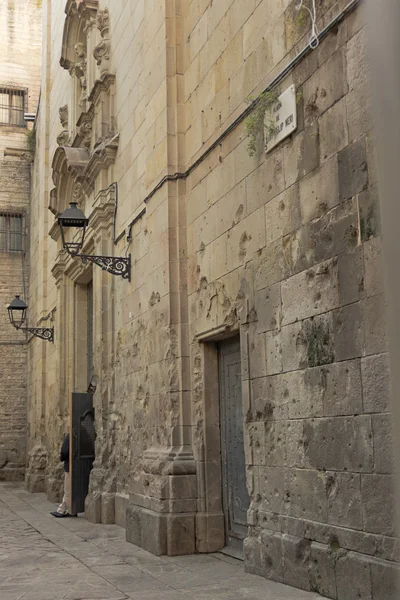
<point x="281" y="117"/>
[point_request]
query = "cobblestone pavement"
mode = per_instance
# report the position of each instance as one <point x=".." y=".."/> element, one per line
<point x="42" y="558"/>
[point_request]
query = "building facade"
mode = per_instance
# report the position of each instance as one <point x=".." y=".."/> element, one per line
<point x="20" y="73"/>
<point x="243" y="386"/>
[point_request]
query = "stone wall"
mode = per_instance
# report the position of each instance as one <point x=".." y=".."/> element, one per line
<point x="20" y="43"/>
<point x="282" y="249"/>
<point x="285" y="249"/>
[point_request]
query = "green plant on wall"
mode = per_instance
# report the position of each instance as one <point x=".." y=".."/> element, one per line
<point x="258" y="126"/>
<point x="31" y="140"/>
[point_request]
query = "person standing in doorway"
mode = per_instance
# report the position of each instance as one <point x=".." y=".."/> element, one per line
<point x="62" y="510"/>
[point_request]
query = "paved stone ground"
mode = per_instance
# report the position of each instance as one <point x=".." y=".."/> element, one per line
<point x="42" y="558"/>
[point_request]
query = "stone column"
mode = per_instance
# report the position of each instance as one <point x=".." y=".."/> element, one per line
<point x="163" y="499"/>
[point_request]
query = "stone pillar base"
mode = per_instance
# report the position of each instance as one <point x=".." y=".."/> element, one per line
<point x="10" y="473"/>
<point x="100" y="508"/>
<point x="210" y="532"/>
<point x="35" y="474"/>
<point x="171" y="534"/>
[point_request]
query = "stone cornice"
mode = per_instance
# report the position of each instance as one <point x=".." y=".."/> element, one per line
<point x="102" y="157"/>
<point x="101" y="85"/>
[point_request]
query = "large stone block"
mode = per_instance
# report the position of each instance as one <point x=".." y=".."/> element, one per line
<point x="385" y="577"/>
<point x="268" y="308"/>
<point x="146" y="529"/>
<point x="296" y="562"/>
<point x="272" y="555"/>
<point x="353" y="577"/>
<point x="269" y="398"/>
<point x="210" y="532"/>
<point x="358" y="100"/>
<point x="344" y="500"/>
<point x="341" y="387"/>
<point x="266" y="182"/>
<point x="369" y="213"/>
<point x="322" y="571"/>
<point x="374" y="315"/>
<point x="282" y="214"/>
<point x="379" y="505"/>
<point x="294" y="347"/>
<point x="353" y="170"/>
<point x="305" y="494"/>
<point x="180" y="534"/>
<point x="382" y="426"/>
<point x="269" y="266"/>
<point x="325" y="87"/>
<point x="340" y="443"/>
<point x="301" y="156"/>
<point x="375" y="372"/>
<point x="273" y="352"/>
<point x="319" y="191"/>
<point x="351" y="276"/>
<point x="311" y="292"/>
<point x="348" y="332"/>
<point x="333" y="130"/>
<point x="272" y="488"/>
<point x="373" y="267"/>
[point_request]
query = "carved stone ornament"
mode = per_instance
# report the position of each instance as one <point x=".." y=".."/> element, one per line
<point x="85" y="130"/>
<point x="63" y="112"/>
<point x="103" y="21"/>
<point x="81" y="63"/>
<point x="102" y="52"/>
<point x="77" y="193"/>
<point x="63" y="138"/>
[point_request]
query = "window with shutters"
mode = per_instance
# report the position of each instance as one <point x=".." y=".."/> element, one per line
<point x="12" y="106"/>
<point x="11" y="236"/>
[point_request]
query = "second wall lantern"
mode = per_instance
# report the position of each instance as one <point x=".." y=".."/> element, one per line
<point x="74" y="218"/>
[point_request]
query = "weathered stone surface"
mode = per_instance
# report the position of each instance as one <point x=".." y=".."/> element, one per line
<point x="272" y="489"/>
<point x="382" y="426"/>
<point x="273" y="352"/>
<point x="373" y="267"/>
<point x="305" y="494"/>
<point x="269" y="308"/>
<point x="302" y="156"/>
<point x="352" y="277"/>
<point x="374" y="325"/>
<point x="348" y="332"/>
<point x="340" y="443"/>
<point x="325" y="87"/>
<point x="282" y="214"/>
<point x="378" y="503"/>
<point x="375" y="372"/>
<point x="368" y="208"/>
<point x="322" y="571"/>
<point x="210" y="532"/>
<point x="344" y="500"/>
<point x="358" y="101"/>
<point x="353" y="577"/>
<point x="319" y="191"/>
<point x="385" y="580"/>
<point x="311" y="292"/>
<point x="353" y="170"/>
<point x="333" y="130"/>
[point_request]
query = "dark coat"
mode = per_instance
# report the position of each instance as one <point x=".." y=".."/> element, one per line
<point x="64" y="454"/>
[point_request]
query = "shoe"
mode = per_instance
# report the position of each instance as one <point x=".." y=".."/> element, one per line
<point x="59" y="515"/>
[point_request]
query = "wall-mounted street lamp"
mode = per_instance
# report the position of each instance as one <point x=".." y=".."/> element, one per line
<point x="17" y="315"/>
<point x="74" y="218"/>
